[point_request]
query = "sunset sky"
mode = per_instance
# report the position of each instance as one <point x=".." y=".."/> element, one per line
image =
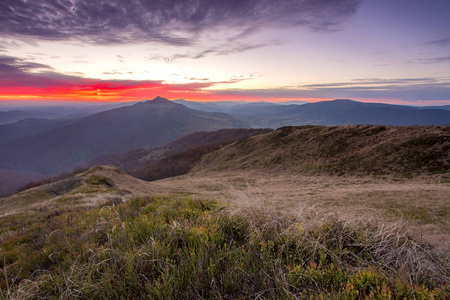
<point x="392" y="51"/>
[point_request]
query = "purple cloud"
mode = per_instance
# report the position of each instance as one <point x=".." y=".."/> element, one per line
<point x="225" y="49"/>
<point x="175" y="22"/>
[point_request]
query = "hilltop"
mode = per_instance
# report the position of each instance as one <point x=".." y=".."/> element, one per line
<point x="88" y="188"/>
<point x="351" y="149"/>
<point x="175" y="158"/>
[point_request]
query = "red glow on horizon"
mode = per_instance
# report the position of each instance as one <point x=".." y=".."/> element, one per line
<point x="124" y="91"/>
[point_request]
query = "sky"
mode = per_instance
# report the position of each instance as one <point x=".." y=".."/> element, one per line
<point x="390" y="51"/>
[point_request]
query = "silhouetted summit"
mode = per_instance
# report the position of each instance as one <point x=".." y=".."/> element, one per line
<point x="156" y="101"/>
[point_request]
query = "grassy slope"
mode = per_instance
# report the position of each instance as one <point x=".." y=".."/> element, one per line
<point x="350" y="149"/>
<point x="166" y="248"/>
<point x="174" y="159"/>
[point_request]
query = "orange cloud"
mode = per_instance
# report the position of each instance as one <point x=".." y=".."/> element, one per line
<point x="19" y="85"/>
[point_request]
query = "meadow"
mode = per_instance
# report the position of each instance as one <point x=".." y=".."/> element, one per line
<point x="164" y="247"/>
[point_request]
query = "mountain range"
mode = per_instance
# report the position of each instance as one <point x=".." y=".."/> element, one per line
<point x="336" y="112"/>
<point x="11" y="116"/>
<point x="143" y="125"/>
<point x="30" y="127"/>
<point x="51" y="140"/>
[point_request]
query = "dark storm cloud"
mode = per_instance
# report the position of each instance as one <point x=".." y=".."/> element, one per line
<point x="173" y="22"/>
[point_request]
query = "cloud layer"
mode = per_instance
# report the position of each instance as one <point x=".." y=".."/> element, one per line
<point x="21" y="79"/>
<point x="411" y="90"/>
<point x="175" y="22"/>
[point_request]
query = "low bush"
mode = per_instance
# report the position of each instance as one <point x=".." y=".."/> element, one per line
<point x="100" y="180"/>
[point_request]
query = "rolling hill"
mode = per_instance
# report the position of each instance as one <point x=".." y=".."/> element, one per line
<point x="351" y="149"/>
<point x="101" y="233"/>
<point x="10" y="180"/>
<point x="11" y="116"/>
<point x="143" y="125"/>
<point x="29" y="127"/>
<point x="202" y="140"/>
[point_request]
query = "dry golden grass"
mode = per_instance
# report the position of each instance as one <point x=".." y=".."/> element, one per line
<point x="422" y="202"/>
<point x="396" y="244"/>
<point x="361" y="224"/>
<point x="340" y="150"/>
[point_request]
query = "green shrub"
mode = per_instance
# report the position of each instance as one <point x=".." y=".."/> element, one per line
<point x="100" y="180"/>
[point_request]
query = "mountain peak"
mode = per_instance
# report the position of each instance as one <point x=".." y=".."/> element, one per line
<point x="345" y="100"/>
<point x="160" y="100"/>
<point x="157" y="101"/>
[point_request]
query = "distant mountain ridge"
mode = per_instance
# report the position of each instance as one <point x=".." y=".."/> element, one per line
<point x="29" y="127"/>
<point x="10" y="180"/>
<point x="51" y="146"/>
<point x="11" y="116"/>
<point x="143" y="125"/>
<point x="335" y="112"/>
<point x="341" y="112"/>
